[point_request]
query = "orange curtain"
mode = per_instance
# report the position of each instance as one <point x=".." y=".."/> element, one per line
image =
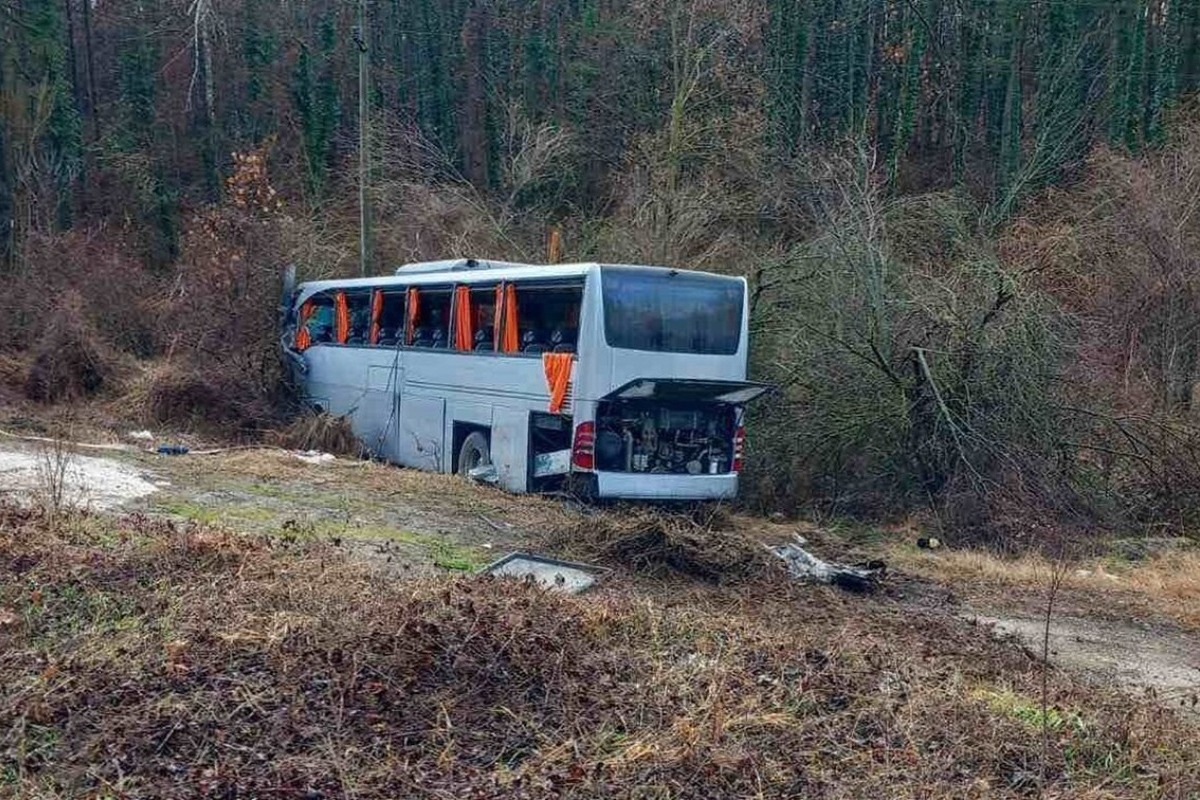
<point x="464" y="336"/>
<point x="376" y="313"/>
<point x="510" y="340"/>
<point x="558" y="377"/>
<point x="414" y="311"/>
<point x="341" y="311"/>
<point x="303" y="337"/>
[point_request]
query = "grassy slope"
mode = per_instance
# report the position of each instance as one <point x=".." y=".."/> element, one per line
<point x="139" y="658"/>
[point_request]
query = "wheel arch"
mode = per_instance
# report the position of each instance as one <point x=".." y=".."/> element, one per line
<point x="461" y="431"/>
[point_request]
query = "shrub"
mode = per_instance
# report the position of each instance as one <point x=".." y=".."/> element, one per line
<point x="68" y="362"/>
<point x="914" y="367"/>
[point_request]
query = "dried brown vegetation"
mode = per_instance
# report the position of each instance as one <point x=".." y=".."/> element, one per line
<point x="698" y="542"/>
<point x="318" y="431"/>
<point x="67" y="361"/>
<point x="143" y="659"/>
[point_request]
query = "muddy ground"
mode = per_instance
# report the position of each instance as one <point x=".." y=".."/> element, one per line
<point x="411" y="523"/>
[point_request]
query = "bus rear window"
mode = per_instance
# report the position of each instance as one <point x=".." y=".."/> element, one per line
<point x="671" y="312"/>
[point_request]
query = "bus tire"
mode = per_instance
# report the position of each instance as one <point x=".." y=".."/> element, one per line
<point x="473" y="453"/>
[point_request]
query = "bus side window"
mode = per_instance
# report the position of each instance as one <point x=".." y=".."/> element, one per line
<point x="431" y="325"/>
<point x="548" y="318"/>
<point x="360" y="317"/>
<point x="474" y="318"/>
<point x="388" y="324"/>
<point x="319" y="323"/>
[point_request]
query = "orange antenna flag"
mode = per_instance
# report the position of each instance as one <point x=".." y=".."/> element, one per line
<point x="464" y="337"/>
<point x="414" y="311"/>
<point x="342" y="317"/>
<point x="510" y="341"/>
<point x="558" y="377"/>
<point x="376" y="313"/>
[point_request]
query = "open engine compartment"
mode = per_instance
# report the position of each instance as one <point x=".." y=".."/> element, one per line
<point x="654" y="436"/>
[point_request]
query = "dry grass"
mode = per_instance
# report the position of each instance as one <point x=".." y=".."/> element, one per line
<point x="439" y="492"/>
<point x="701" y="542"/>
<point x="140" y="659"/>
<point x="1166" y="584"/>
<point x="324" y="432"/>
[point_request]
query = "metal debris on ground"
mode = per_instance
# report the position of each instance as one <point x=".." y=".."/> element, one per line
<point x="484" y="473"/>
<point x="549" y="572"/>
<point x="315" y="457"/>
<point x="803" y="564"/>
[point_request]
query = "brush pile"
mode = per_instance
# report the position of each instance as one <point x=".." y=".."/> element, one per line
<point x="68" y="363"/>
<point x="323" y="432"/>
<point x="142" y="659"/>
<point x="697" y="542"/>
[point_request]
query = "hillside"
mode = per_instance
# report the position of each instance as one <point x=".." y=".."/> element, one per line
<point x="970" y="234"/>
<point x="196" y="646"/>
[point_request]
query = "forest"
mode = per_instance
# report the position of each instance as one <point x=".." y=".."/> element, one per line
<point x="968" y="226"/>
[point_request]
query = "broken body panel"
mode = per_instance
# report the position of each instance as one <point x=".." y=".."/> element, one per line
<point x="673" y="398"/>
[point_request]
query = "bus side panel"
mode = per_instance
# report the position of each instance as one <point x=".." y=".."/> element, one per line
<point x="510" y="447"/>
<point x="422" y="424"/>
<point x="375" y="421"/>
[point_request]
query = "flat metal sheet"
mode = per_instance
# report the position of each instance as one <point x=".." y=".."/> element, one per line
<point x="549" y="572"/>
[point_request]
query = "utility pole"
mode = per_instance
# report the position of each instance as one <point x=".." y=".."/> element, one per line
<point x="364" y="212"/>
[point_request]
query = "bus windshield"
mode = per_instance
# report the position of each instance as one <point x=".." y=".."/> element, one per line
<point x="672" y="312"/>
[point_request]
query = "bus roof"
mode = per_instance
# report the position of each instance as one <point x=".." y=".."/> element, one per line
<point x="467" y="270"/>
<point x="458" y="271"/>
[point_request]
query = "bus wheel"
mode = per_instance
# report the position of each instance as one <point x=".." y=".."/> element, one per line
<point x="474" y="453"/>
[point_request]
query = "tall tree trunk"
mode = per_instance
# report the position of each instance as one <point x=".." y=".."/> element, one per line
<point x="93" y="108"/>
<point x="474" y="134"/>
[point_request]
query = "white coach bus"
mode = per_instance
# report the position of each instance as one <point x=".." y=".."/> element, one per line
<point x="620" y="381"/>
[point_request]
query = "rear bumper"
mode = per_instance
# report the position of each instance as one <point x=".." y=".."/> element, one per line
<point x="649" y="486"/>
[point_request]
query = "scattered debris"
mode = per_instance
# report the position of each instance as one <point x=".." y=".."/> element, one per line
<point x="484" y="473"/>
<point x="503" y="527"/>
<point x="315" y="457"/>
<point x="803" y="564"/>
<point x="549" y="572"/>
<point x="142" y="436"/>
<point x="929" y="543"/>
<point x="172" y="450"/>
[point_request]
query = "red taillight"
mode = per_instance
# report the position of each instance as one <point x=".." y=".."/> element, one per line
<point x="739" y="448"/>
<point x="583" y="451"/>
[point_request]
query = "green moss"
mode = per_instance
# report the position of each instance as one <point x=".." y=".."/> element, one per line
<point x="1027" y="711"/>
<point x="189" y="510"/>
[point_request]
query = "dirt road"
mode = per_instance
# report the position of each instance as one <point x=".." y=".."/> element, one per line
<point x="1157" y="658"/>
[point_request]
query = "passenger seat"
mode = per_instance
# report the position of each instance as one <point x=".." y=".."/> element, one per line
<point x="560" y="342"/>
<point x="530" y="343"/>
